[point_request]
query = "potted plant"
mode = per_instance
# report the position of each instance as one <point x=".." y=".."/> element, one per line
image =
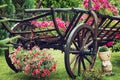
<point x="104" y="53"/>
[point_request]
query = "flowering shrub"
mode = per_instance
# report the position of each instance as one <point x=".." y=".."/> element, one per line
<point x="102" y="6"/>
<point x="35" y="62"/>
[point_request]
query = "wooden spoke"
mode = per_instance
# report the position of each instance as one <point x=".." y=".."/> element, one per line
<point x="74" y="52"/>
<point x="88" y="60"/>
<point x="83" y="63"/>
<point x="86" y="38"/>
<point x="75" y="65"/>
<point x="75" y="44"/>
<point x="87" y="45"/>
<point x="79" y="66"/>
<point x="73" y="59"/>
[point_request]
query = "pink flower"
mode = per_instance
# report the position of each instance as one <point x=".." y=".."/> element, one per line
<point x="44" y="24"/>
<point x="96" y="7"/>
<point x="35" y="72"/>
<point x="67" y="23"/>
<point x="89" y="22"/>
<point x="61" y="24"/>
<point x="85" y="3"/>
<point x="14" y="60"/>
<point x="27" y="69"/>
<point x="35" y="23"/>
<point x="118" y="36"/>
<point x="18" y="61"/>
<point x="105" y="45"/>
<point x="46" y="72"/>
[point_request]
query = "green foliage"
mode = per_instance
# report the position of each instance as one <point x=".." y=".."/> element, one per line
<point x="3" y="33"/>
<point x="60" y="3"/>
<point x="2" y="2"/>
<point x="20" y="5"/>
<point x="5" y="41"/>
<point x="116" y="46"/>
<point x="28" y="4"/>
<point x="116" y="3"/>
<point x="10" y="9"/>
<point x="92" y="75"/>
<point x="103" y="49"/>
<point x="2" y="6"/>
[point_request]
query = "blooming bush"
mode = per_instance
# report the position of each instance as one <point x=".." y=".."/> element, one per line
<point x="102" y="6"/>
<point x="35" y="62"/>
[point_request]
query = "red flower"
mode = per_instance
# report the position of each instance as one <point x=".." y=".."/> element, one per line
<point x="35" y="72"/>
<point x="118" y="36"/>
<point x="19" y="48"/>
<point x="53" y="68"/>
<point x="46" y="72"/>
<point x="43" y="74"/>
<point x="36" y="54"/>
<point x="109" y="44"/>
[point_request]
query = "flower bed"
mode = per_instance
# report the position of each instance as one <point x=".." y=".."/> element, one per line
<point x="35" y="62"/>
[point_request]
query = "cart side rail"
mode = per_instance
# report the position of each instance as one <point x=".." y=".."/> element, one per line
<point x="108" y="28"/>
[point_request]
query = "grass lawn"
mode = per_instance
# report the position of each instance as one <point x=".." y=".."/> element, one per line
<point x="7" y="74"/>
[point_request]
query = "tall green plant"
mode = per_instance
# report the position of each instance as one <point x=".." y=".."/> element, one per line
<point x="10" y="9"/>
<point x="29" y="4"/>
<point x="60" y="3"/>
<point x="3" y="33"/>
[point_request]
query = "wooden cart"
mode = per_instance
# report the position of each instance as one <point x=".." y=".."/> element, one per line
<point x="79" y="42"/>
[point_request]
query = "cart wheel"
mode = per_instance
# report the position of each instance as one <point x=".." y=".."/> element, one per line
<point x="80" y="51"/>
<point x="9" y="62"/>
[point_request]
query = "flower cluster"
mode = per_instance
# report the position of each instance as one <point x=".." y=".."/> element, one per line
<point x="43" y="24"/>
<point x="101" y="6"/>
<point x="118" y="36"/>
<point x="35" y="62"/>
